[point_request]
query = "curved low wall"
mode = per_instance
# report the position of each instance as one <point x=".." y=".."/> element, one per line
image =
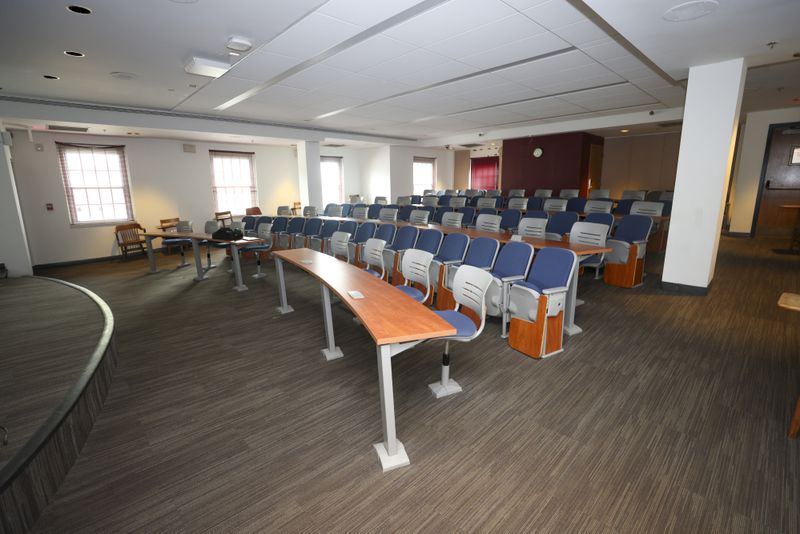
<point x="32" y="476"/>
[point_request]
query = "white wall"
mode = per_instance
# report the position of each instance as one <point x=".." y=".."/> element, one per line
<point x="375" y="173"/>
<point x="402" y="158"/>
<point x="351" y="169"/>
<point x="13" y="244"/>
<point x="165" y="182"/>
<point x="747" y="172"/>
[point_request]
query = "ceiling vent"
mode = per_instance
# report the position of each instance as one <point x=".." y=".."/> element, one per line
<point x="333" y="145"/>
<point x="57" y="128"/>
<point x="472" y="145"/>
<point x="669" y="124"/>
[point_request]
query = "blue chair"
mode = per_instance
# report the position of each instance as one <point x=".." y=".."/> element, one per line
<point x="444" y="200"/>
<point x="332" y="210"/>
<point x="499" y="202"/>
<point x="360" y="205"/>
<point x="511" y="266"/>
<point x="536" y="214"/>
<point x="667" y="211"/>
<point x="263" y="219"/>
<point x="577" y="204"/>
<point x="392" y="206"/>
<point x="404" y="239"/>
<point x="509" y="219"/>
<point x="481" y="253"/>
<point x="248" y="225"/>
<point x="469" y="215"/>
<point x="625" y="262"/>
<point x="535" y="203"/>
<point x="416" y="199"/>
<point x="346" y="210"/>
<point x="429" y="240"/>
<point x="431" y="211"/>
<point x="439" y="213"/>
<point x="601" y="218"/>
<point x="488" y="211"/>
<point x="386" y="233"/>
<point x="404" y="213"/>
<point x="366" y="230"/>
<point x="594" y="234"/>
<point x="372" y="256"/>
<point x="312" y="228"/>
<point x="263" y="231"/>
<point x="469" y="290"/>
<point x="543" y="291"/>
<point x="416" y="266"/>
<point x="321" y="241"/>
<point x="183" y="227"/>
<point x="452" y="252"/>
<point x="560" y="223"/>
<point x="279" y="224"/>
<point x="295" y="226"/>
<point x="624" y="206"/>
<point x="474" y="201"/>
<point x="374" y="210"/>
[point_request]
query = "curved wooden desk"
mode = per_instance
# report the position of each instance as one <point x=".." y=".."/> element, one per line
<point x="378" y="311"/>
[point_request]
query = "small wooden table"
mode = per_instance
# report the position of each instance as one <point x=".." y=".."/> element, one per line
<point x="197" y="239"/>
<point x="395" y="321"/>
<point x="791" y="301"/>
<point x="794" y="244"/>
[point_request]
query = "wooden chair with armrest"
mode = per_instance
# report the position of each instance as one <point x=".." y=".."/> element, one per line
<point x="255" y="210"/>
<point x="169" y="225"/>
<point x="223" y="217"/>
<point x="130" y="236"/>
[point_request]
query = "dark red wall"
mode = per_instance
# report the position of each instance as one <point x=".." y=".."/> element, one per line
<point x="564" y="163"/>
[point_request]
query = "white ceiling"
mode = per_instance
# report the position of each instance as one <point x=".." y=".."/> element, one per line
<point x="408" y="68"/>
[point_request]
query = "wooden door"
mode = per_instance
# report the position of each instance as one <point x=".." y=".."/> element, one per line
<point x="781" y="183"/>
<point x="595" y="168"/>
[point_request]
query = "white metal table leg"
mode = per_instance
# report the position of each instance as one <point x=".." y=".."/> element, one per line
<point x="237" y="269"/>
<point x="570" y="328"/>
<point x="284" y="307"/>
<point x="390" y="451"/>
<point x="198" y="261"/>
<point x="151" y="257"/>
<point x="332" y="352"/>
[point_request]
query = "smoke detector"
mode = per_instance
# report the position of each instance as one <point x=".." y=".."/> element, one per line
<point x="239" y="44"/>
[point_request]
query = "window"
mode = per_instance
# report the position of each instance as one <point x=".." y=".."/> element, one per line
<point x="234" y="181"/>
<point x="332" y="180"/>
<point x="95" y="182"/>
<point x="423" y="174"/>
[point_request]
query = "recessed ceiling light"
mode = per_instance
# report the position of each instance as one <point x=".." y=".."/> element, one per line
<point x="690" y="10"/>
<point x="625" y="130"/>
<point x="80" y="10"/>
<point x="234" y="54"/>
<point x="50" y="77"/>
<point x="73" y="53"/>
<point x="122" y="75"/>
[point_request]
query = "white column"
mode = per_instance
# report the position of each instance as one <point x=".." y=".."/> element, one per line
<point x="710" y="119"/>
<point x="309" y="172"/>
<point x="13" y="241"/>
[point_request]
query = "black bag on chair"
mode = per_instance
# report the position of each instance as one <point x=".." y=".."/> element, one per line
<point x="228" y="234"/>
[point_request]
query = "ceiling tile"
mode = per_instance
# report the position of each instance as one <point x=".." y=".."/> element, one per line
<point x="449" y="19"/>
<point x="544" y="108"/>
<point x="216" y="92"/>
<point x="581" y="33"/>
<point x="374" y="50"/>
<point x="500" y="94"/>
<point x="486" y="37"/>
<point x="541" y="70"/>
<point x="609" y="97"/>
<point x="524" y="4"/>
<point x="389" y="112"/>
<point x="312" y="35"/>
<point x="438" y="73"/>
<point x="536" y="45"/>
<point x="606" y="50"/>
<point x="405" y="65"/>
<point x="651" y="82"/>
<point x="262" y="66"/>
<point x="355" y="12"/>
<point x="314" y="76"/>
<point x="488" y="117"/>
<point x="366" y="87"/>
<point x="554" y="14"/>
<point x="280" y="95"/>
<point x="574" y="78"/>
<point x="432" y="102"/>
<point x="449" y="123"/>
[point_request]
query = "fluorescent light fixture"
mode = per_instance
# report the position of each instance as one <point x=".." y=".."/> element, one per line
<point x="206" y="67"/>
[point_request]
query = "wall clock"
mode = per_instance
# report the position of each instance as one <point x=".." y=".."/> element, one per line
<point x="537" y="152"/>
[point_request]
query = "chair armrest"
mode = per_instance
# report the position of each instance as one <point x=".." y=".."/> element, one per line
<point x="555" y="290"/>
<point x="619" y="251"/>
<point x="641" y="248"/>
<point x="515" y="278"/>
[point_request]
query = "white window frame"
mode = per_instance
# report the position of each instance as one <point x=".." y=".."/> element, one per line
<point x="220" y="190"/>
<point x="94" y="180"/>
<point x="420" y="190"/>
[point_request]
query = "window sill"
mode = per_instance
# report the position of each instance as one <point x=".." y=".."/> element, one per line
<point x="100" y="223"/>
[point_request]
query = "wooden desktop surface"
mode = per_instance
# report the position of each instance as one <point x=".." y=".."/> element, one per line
<point x="207" y="237"/>
<point x="388" y="314"/>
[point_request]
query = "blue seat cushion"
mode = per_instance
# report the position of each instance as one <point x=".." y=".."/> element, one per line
<point x="591" y="260"/>
<point x="412" y="292"/>
<point x="219" y="245"/>
<point x="463" y="324"/>
<point x="529" y="285"/>
<point x="376" y="274"/>
<point x="176" y="241"/>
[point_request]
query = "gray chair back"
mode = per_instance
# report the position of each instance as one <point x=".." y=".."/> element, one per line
<point x="543" y="193"/>
<point x="568" y="193"/>
<point x="599" y="193"/>
<point x="555" y="204"/>
<point x="488" y="223"/>
<point x="598" y="206"/>
<point x="419" y="217"/>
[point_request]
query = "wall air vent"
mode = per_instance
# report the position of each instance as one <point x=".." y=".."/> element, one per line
<point x="333" y="145"/>
<point x="57" y="128"/>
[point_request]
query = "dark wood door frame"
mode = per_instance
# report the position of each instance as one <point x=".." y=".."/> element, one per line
<point x="764" y="164"/>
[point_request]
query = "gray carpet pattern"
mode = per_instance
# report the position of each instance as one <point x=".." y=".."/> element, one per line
<point x="668" y="414"/>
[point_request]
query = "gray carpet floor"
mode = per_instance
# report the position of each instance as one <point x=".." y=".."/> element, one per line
<point x="668" y="414"/>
